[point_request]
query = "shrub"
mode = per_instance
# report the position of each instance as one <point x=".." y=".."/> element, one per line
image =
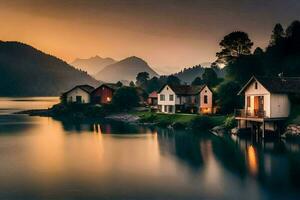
<point x="125" y="98"/>
<point x="230" y="122"/>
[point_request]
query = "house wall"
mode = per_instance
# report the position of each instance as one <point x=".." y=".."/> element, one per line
<point x="167" y="91"/>
<point x="206" y="107"/>
<point x="103" y="95"/>
<point x="71" y="96"/>
<point x="260" y="91"/>
<point x="280" y="105"/>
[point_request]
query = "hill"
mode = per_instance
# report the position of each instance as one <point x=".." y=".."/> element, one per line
<point x="126" y="69"/>
<point x="187" y="75"/>
<point x="92" y="65"/>
<point x="26" y="71"/>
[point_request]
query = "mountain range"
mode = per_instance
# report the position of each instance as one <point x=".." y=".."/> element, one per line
<point x="26" y="71"/>
<point x="92" y="65"/>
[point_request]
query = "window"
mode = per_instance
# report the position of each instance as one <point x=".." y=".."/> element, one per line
<point x="248" y="102"/>
<point x="171" y="97"/>
<point x="205" y="99"/>
<point x="255" y="85"/>
<point x="165" y="108"/>
<point x="162" y="97"/>
<point x="170" y="109"/>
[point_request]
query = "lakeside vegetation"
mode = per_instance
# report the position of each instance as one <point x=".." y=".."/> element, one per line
<point x="193" y="121"/>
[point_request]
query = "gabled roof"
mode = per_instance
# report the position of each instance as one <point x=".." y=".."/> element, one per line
<point x="112" y="86"/>
<point x="86" y="88"/>
<point x="185" y="89"/>
<point x="276" y="84"/>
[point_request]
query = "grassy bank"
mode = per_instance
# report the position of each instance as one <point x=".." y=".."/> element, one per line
<point x="181" y="120"/>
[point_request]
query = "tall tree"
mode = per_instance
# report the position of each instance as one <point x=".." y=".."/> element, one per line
<point x="173" y="80"/>
<point x="277" y="35"/>
<point x="258" y="51"/>
<point x="210" y="77"/>
<point x="293" y="30"/>
<point x="142" y="78"/>
<point x="197" y="81"/>
<point x="153" y="85"/>
<point x="119" y="84"/>
<point x="233" y="46"/>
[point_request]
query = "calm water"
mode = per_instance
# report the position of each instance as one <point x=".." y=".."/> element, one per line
<point x="41" y="158"/>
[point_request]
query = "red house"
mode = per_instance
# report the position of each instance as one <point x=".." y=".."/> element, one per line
<point x="104" y="93"/>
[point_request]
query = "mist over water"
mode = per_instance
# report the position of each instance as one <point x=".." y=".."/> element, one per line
<point x="42" y="158"/>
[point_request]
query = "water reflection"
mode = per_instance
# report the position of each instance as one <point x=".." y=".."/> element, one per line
<point x="51" y="159"/>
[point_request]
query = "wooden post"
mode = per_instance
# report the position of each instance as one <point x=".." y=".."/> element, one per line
<point x="263" y="132"/>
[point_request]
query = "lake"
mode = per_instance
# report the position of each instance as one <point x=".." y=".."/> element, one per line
<point x="42" y="158"/>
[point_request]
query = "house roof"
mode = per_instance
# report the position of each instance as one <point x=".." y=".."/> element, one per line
<point x="153" y="94"/>
<point x="112" y="86"/>
<point x="276" y="84"/>
<point x="185" y="89"/>
<point x="86" y="88"/>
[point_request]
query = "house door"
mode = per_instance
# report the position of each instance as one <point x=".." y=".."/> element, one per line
<point x="261" y="103"/>
<point x="258" y="105"/>
<point x="78" y="99"/>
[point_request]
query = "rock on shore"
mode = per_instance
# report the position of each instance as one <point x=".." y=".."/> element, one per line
<point x="123" y="117"/>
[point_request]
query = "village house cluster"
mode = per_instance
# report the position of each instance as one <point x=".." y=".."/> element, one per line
<point x="169" y="99"/>
<point x="267" y="101"/>
<point x="86" y="94"/>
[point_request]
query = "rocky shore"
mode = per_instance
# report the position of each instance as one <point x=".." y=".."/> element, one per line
<point x="292" y="130"/>
<point x="123" y="117"/>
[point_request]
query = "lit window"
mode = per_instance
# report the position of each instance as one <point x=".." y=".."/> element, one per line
<point x="108" y="99"/>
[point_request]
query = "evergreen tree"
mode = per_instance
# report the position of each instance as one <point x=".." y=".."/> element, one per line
<point x="277" y="35"/>
<point x="233" y="46"/>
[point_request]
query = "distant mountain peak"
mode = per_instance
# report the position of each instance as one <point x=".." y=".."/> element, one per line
<point x="126" y="69"/>
<point x="93" y="64"/>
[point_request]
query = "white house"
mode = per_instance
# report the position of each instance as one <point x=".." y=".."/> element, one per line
<point x="267" y="102"/>
<point x="185" y="98"/>
<point x="79" y="94"/>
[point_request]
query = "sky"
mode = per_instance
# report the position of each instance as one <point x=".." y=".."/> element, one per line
<point x="168" y="34"/>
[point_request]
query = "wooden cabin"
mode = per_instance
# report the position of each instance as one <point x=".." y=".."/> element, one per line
<point x="185" y="99"/>
<point x="80" y="94"/>
<point x="266" y="103"/>
<point x="104" y="93"/>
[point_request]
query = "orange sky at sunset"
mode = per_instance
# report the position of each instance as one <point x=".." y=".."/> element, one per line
<point x="169" y="35"/>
